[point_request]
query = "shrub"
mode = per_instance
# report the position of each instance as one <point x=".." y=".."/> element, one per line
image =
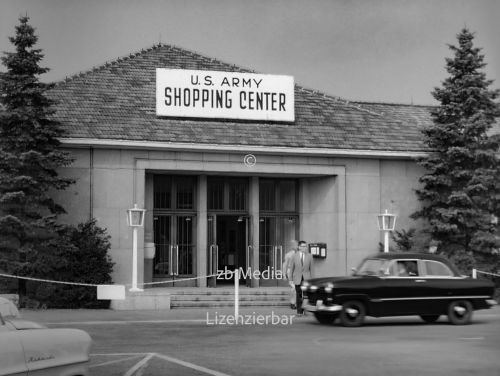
<point x="79" y="255"/>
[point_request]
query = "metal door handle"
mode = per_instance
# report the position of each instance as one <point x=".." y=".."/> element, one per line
<point x="420" y="280"/>
<point x="248" y="255"/>
<point x="280" y="265"/>
<point x="170" y="260"/>
<point x="216" y="258"/>
<point x="210" y="265"/>
<point x="176" y="260"/>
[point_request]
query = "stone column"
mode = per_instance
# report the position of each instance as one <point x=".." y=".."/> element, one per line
<point x="253" y="207"/>
<point x="201" y="231"/>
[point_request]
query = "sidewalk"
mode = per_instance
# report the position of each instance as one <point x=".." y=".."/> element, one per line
<point x="59" y="316"/>
<point x="52" y="316"/>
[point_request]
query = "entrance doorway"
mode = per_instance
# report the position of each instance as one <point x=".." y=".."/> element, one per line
<point x="275" y="233"/>
<point x="174" y="243"/>
<point x="228" y="247"/>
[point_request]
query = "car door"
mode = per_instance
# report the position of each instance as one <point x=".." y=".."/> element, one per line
<point x="403" y="288"/>
<point x="11" y="352"/>
<point x="440" y="283"/>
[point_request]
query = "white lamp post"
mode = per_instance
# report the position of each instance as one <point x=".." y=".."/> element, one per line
<point x="386" y="223"/>
<point x="135" y="219"/>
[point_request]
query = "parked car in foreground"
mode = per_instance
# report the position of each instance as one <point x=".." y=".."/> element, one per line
<point x="28" y="348"/>
<point x="398" y="284"/>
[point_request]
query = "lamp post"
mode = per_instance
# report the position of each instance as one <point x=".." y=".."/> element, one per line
<point x="386" y="223"/>
<point x="135" y="219"/>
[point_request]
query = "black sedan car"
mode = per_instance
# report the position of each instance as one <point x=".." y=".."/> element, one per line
<point x="398" y="284"/>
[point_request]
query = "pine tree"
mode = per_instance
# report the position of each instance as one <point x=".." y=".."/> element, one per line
<point x="461" y="187"/>
<point x="29" y="157"/>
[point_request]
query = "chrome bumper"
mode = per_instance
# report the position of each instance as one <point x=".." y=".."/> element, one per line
<point x="491" y="302"/>
<point x="320" y="307"/>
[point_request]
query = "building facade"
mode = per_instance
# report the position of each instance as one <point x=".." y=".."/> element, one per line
<point x="225" y="192"/>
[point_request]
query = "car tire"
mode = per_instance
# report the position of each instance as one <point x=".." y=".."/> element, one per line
<point x="325" y="318"/>
<point x="429" y="319"/>
<point x="353" y="313"/>
<point x="460" y="312"/>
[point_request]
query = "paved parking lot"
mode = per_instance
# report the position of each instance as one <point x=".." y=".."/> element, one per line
<point x="183" y="342"/>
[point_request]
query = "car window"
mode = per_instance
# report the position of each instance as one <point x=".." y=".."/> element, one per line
<point x="404" y="268"/>
<point x="437" y="269"/>
<point x="372" y="267"/>
<point x="7" y="308"/>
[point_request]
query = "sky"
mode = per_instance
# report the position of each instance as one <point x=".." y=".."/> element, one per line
<point x="366" y="50"/>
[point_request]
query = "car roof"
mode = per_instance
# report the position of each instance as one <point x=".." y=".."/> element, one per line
<point x="407" y="255"/>
<point x="414" y="255"/>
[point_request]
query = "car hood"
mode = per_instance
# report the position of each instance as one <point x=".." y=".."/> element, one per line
<point x="325" y="280"/>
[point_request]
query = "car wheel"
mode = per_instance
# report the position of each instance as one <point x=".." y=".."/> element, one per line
<point x="460" y="312"/>
<point x="325" y="318"/>
<point x="352" y="314"/>
<point x="429" y="318"/>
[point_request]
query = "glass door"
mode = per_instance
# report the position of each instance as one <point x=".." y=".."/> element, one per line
<point x="212" y="250"/>
<point x="174" y="242"/>
<point x="228" y="248"/>
<point x="275" y="234"/>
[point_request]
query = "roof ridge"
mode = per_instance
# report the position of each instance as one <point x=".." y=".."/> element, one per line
<point x="208" y="58"/>
<point x="394" y="103"/>
<point x="148" y="49"/>
<point x="107" y="64"/>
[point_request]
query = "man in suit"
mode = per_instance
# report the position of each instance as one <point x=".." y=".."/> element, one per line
<point x="300" y="270"/>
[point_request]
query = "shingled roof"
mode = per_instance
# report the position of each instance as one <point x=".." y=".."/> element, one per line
<point x="116" y="101"/>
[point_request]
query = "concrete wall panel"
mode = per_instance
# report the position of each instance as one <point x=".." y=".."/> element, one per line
<point x="76" y="198"/>
<point x="113" y="188"/>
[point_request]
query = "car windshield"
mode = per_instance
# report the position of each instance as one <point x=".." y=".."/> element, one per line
<point x="372" y="267"/>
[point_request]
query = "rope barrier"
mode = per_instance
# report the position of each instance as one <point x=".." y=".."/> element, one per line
<point x="488" y="273"/>
<point x="128" y="284"/>
<point x="118" y="291"/>
<point x="185" y="279"/>
<point x="48" y="280"/>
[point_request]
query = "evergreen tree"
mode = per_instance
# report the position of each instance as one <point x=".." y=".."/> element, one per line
<point x="461" y="187"/>
<point x="29" y="157"/>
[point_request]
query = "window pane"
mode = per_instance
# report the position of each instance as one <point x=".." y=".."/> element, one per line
<point x="267" y="196"/>
<point x="185" y="245"/>
<point x="287" y="195"/>
<point x="215" y="194"/>
<point x="163" y="242"/>
<point x="185" y="193"/>
<point x="405" y="268"/>
<point x="435" y="268"/>
<point x="162" y="197"/>
<point x="237" y="196"/>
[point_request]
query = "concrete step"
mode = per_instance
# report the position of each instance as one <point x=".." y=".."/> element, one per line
<point x="171" y="298"/>
<point x="212" y="298"/>
<point x="246" y="291"/>
<point x="264" y="297"/>
<point x="201" y="304"/>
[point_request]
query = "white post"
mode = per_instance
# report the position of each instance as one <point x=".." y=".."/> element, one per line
<point x="236" y="293"/>
<point x="134" y="261"/>
<point x="474" y="273"/>
<point x="386" y="241"/>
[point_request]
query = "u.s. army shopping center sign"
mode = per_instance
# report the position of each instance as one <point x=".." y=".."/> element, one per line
<point x="225" y="95"/>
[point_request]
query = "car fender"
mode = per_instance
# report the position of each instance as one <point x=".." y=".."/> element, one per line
<point x="51" y="348"/>
<point x="342" y="298"/>
<point x="11" y="353"/>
